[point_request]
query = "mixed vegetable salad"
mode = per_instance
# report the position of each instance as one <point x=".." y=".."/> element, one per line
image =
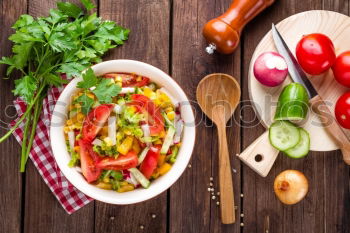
<point x="122" y="130"/>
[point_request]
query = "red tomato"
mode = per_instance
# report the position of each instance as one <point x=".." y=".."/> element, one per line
<point x="150" y="162"/>
<point x="342" y="110"/>
<point x="341" y="69"/>
<point x="95" y="120"/>
<point x="87" y="163"/>
<point x="155" y="118"/>
<point x="315" y="53"/>
<point x="123" y="162"/>
<point x="130" y="80"/>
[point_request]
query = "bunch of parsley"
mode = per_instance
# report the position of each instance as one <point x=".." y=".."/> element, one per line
<point x="66" y="42"/>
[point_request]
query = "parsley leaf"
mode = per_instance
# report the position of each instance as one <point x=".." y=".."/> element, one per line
<point x="86" y="103"/>
<point x="69" y="9"/>
<point x="88" y="4"/>
<point x="106" y="90"/>
<point x="25" y="87"/>
<point x="55" y="80"/>
<point x="89" y="79"/>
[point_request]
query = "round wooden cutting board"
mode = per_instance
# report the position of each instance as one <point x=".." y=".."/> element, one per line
<point x="264" y="99"/>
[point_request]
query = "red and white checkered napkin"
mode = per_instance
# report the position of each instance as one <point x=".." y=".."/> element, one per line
<point x="70" y="198"/>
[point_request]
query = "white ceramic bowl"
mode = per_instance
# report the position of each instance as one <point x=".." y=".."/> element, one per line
<point x="59" y="148"/>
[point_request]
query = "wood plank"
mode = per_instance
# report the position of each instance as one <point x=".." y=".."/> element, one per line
<point x="195" y="211"/>
<point x="336" y="172"/>
<point x="10" y="177"/>
<point x="259" y="199"/>
<point x="43" y="213"/>
<point x="148" y="21"/>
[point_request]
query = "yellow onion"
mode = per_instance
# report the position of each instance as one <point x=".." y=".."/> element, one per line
<point x="290" y="186"/>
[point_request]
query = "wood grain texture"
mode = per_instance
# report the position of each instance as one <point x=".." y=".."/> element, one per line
<point x="11" y="180"/>
<point x="43" y="213"/>
<point x="148" y="21"/>
<point x="196" y="211"/>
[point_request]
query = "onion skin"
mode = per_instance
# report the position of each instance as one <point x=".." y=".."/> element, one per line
<point x="291" y="186"/>
<point x="270" y="69"/>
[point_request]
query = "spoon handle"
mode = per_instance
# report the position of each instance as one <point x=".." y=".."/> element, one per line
<point x="225" y="179"/>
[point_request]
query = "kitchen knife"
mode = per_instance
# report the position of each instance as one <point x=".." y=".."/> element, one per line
<point x="316" y="102"/>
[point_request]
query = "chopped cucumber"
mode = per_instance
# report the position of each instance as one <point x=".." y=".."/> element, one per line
<point x="292" y="103"/>
<point x="168" y="140"/>
<point x="140" y="177"/>
<point x="283" y="135"/>
<point x="143" y="155"/>
<point x="302" y="148"/>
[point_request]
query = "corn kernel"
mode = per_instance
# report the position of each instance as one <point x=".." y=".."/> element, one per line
<point x="158" y="142"/>
<point x="155" y="174"/>
<point x="106" y="179"/>
<point x="118" y="79"/>
<point x="147" y="92"/>
<point x="164" y="168"/>
<point x="169" y="109"/>
<point x="123" y="183"/>
<point x="126" y="188"/>
<point x="77" y="105"/>
<point x="80" y="116"/>
<point x="171" y="115"/>
<point x="67" y="129"/>
<point x="127" y="132"/>
<point x="104" y="131"/>
<point x="69" y="122"/>
<point x="119" y="84"/>
<point x="108" y="141"/>
<point x="136" y="146"/>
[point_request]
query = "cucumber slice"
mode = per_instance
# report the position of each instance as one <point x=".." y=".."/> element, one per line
<point x="283" y="135"/>
<point x="140" y="177"/>
<point x="302" y="148"/>
<point x="292" y="103"/>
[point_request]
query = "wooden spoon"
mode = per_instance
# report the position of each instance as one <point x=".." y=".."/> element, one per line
<point x="218" y="96"/>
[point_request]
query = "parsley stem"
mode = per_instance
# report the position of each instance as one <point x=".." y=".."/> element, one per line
<point x="24" y="115"/>
<point x="37" y="111"/>
<point x="24" y="139"/>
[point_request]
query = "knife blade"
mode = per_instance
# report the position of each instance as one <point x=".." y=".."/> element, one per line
<point x="294" y="69"/>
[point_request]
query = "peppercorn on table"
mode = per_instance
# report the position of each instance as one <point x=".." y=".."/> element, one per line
<point x="167" y="34"/>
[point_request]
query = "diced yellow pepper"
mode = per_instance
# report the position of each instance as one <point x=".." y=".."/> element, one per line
<point x="104" y="131"/>
<point x="69" y="122"/>
<point x="161" y="160"/>
<point x="126" y="145"/>
<point x="77" y="105"/>
<point x="162" y="134"/>
<point x="106" y="179"/>
<point x="80" y="117"/>
<point x="103" y="185"/>
<point x="118" y="79"/>
<point x="169" y="109"/>
<point x="67" y="129"/>
<point x="125" y="188"/>
<point x="136" y="146"/>
<point x="147" y="92"/>
<point x="155" y="174"/>
<point x="92" y="96"/>
<point x="171" y="115"/>
<point x="77" y="149"/>
<point x="164" y="168"/>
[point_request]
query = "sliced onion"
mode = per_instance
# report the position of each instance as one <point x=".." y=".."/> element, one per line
<point x="179" y="125"/>
<point x="132" y="179"/>
<point x="78" y="169"/>
<point x="172" y="99"/>
<point x="71" y="139"/>
<point x="97" y="142"/>
<point x="146" y="132"/>
<point x="112" y="129"/>
<point x="126" y="90"/>
<point x="118" y="109"/>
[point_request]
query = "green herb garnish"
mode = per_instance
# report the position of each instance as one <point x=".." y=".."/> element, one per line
<point x="67" y="41"/>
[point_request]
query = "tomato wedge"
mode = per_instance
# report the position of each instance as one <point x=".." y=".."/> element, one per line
<point x="150" y="162"/>
<point x="88" y="167"/>
<point x="155" y="118"/>
<point x="130" y="80"/>
<point x="123" y="162"/>
<point x="95" y="120"/>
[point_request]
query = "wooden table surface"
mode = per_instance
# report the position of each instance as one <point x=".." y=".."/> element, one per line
<point x="167" y="34"/>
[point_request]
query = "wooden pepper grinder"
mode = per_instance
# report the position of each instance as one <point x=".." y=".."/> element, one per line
<point x="223" y="33"/>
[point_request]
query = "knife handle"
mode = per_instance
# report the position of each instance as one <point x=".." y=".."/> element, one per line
<point x="332" y="126"/>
